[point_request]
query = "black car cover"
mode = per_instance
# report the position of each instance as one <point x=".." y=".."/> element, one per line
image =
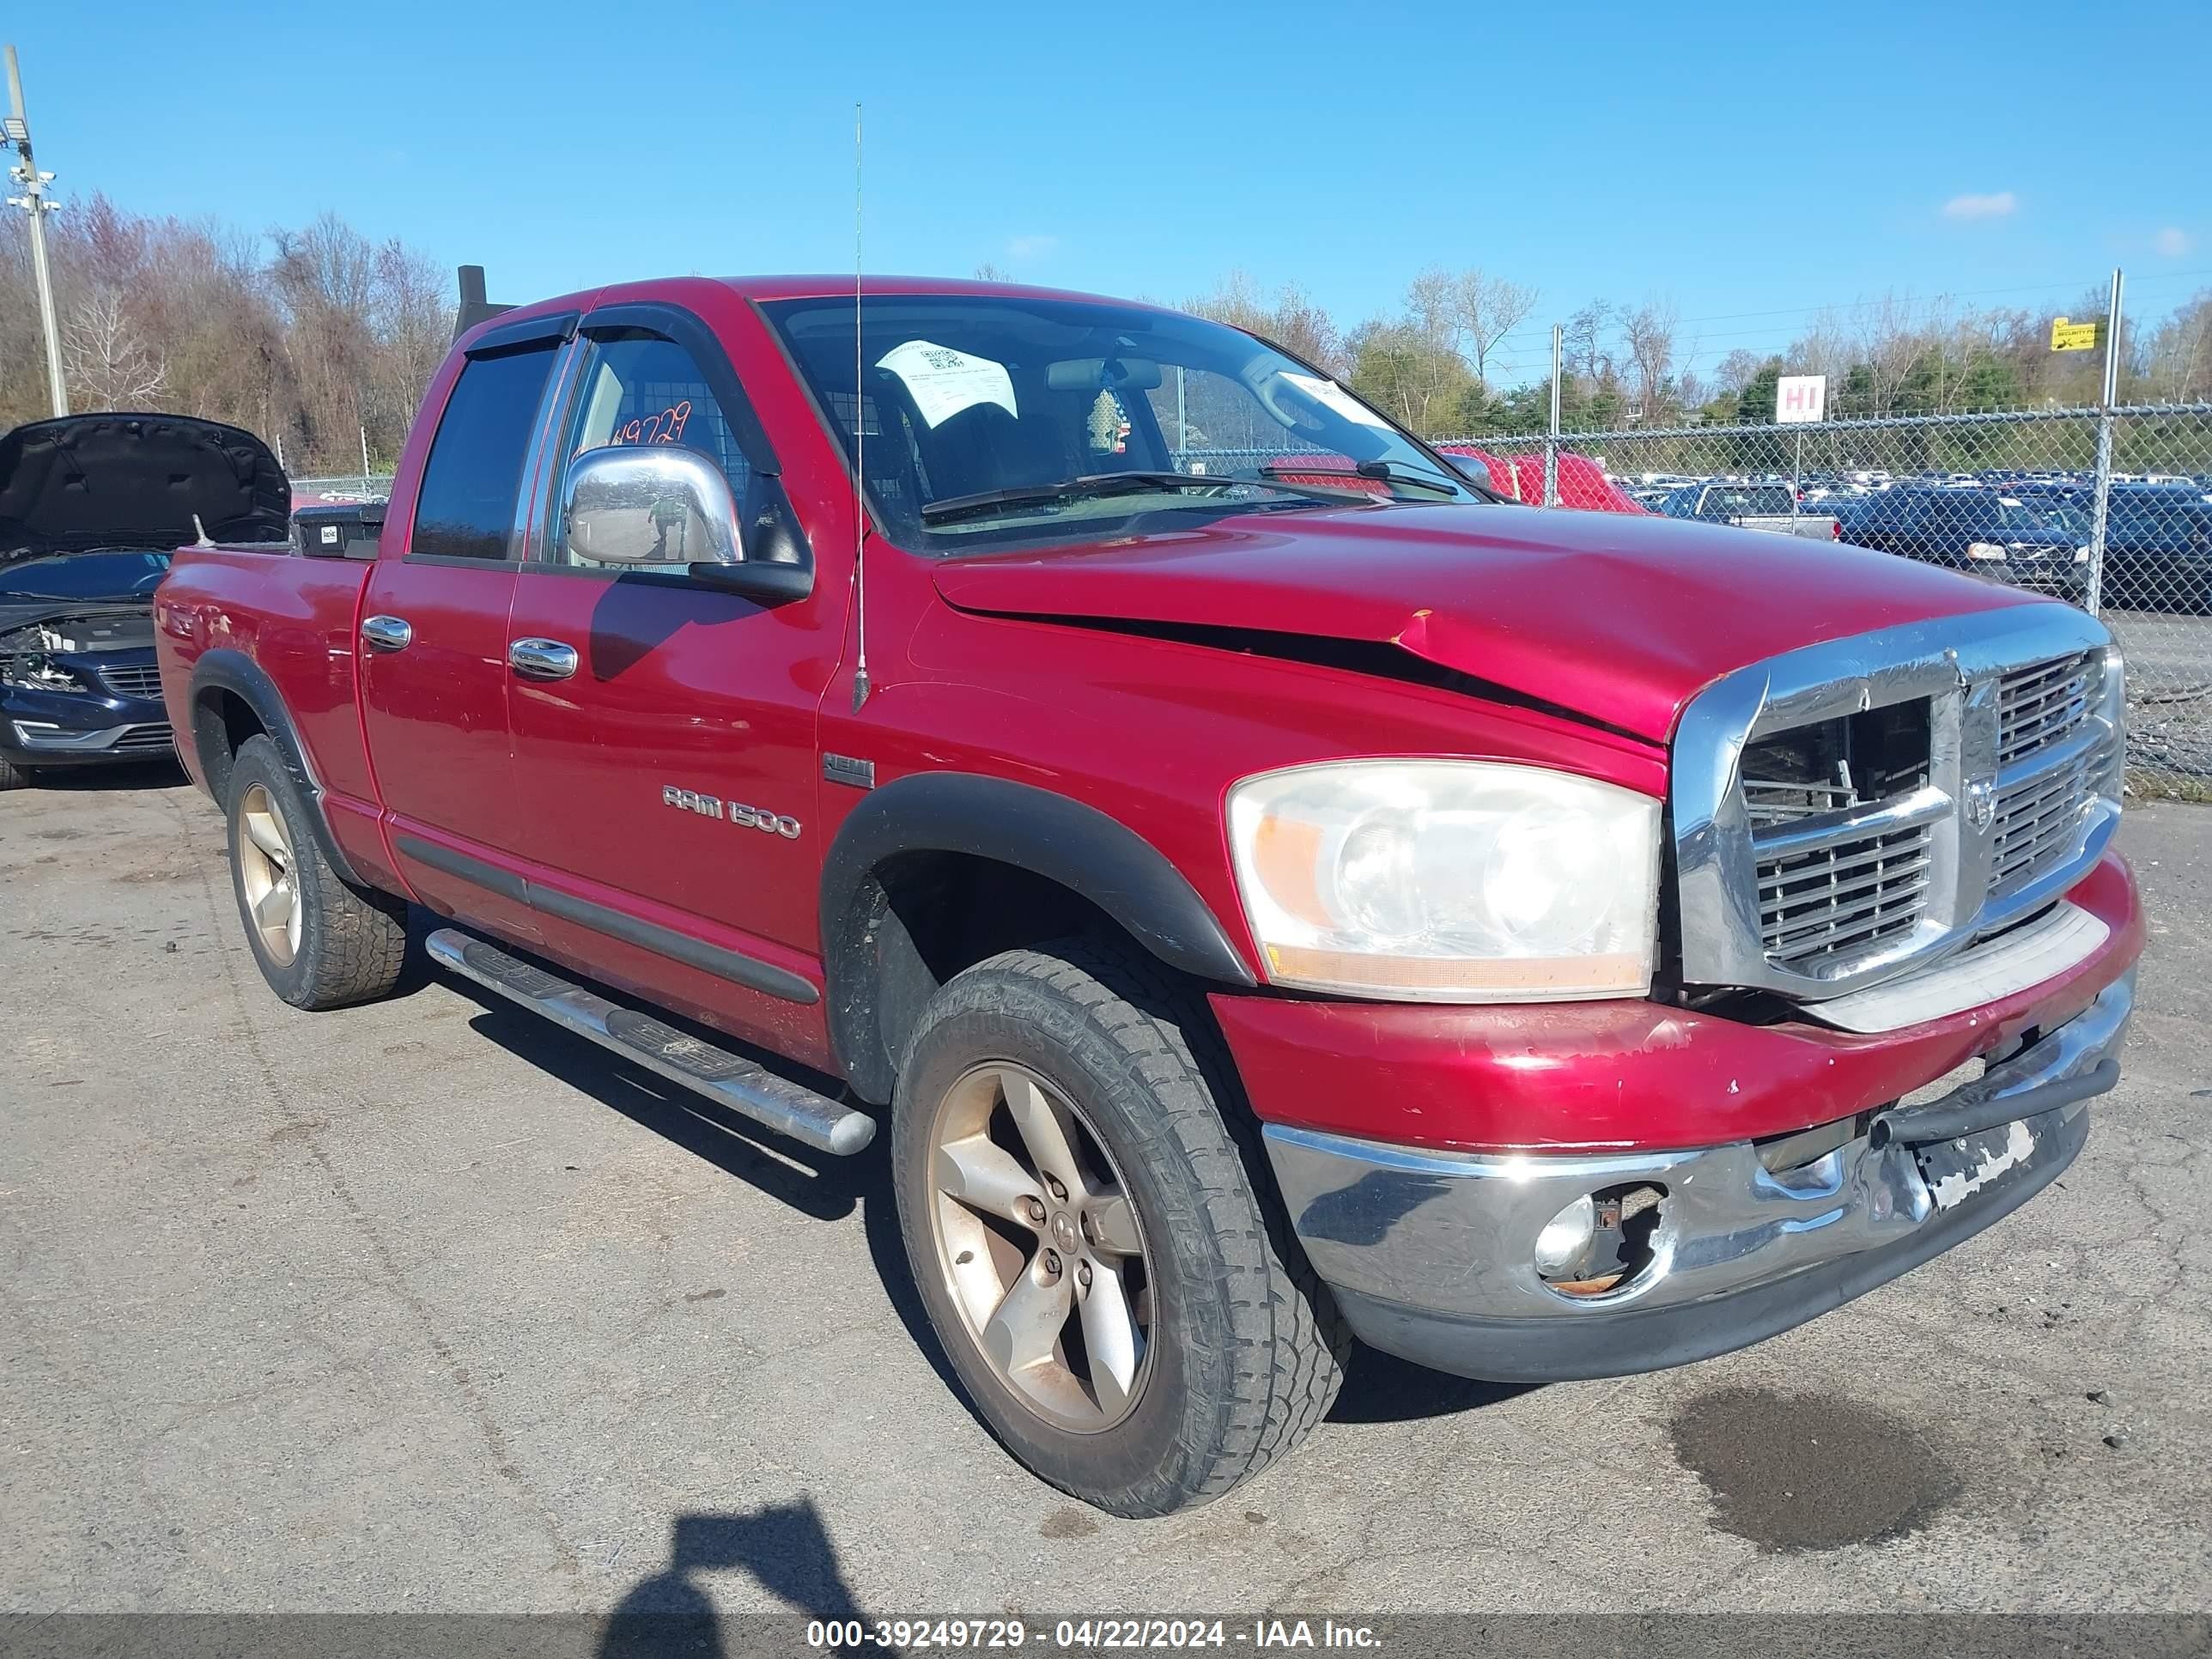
<point x="132" y="480"/>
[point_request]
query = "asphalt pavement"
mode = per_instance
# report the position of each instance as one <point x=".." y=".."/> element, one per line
<point x="430" y="1306"/>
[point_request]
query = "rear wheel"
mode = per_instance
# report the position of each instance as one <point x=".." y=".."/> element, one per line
<point x="319" y="943"/>
<point x="1095" y="1237"/>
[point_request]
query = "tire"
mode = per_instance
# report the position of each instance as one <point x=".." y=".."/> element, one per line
<point x="331" y="945"/>
<point x="1242" y="1349"/>
<point x="13" y="776"/>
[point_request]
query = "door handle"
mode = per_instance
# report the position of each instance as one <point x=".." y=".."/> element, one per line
<point x="386" y="633"/>
<point x="541" y="659"/>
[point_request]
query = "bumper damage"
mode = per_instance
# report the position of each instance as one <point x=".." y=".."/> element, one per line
<point x="1431" y="1253"/>
<point x="98" y="708"/>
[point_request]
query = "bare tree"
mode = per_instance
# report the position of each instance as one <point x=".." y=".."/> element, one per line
<point x="1647" y="336"/>
<point x="1293" y="319"/>
<point x="1733" y="372"/>
<point x="2179" y="361"/>
<point x="1891" y="341"/>
<point x="1583" y="340"/>
<point x="1486" y="309"/>
<point x="106" y="361"/>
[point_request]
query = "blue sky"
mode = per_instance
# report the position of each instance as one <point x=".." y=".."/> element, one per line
<point x="1751" y="162"/>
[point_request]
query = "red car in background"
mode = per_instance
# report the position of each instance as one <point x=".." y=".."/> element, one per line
<point x="1582" y="482"/>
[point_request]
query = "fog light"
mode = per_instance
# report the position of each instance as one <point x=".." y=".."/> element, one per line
<point x="1566" y="1237"/>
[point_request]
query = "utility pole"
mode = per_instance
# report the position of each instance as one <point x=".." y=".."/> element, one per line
<point x="33" y="201"/>
<point x="1551" y="444"/>
<point x="2100" y="507"/>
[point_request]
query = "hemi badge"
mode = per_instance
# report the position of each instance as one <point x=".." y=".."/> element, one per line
<point x="844" y="769"/>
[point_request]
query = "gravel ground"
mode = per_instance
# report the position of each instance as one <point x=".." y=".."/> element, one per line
<point x="429" y="1306"/>
<point x="2169" y="700"/>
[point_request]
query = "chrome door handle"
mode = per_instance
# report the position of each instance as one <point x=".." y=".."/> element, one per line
<point x="386" y="633"/>
<point x="541" y="659"/>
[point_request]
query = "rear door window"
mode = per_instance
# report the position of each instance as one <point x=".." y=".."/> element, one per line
<point x="466" y="508"/>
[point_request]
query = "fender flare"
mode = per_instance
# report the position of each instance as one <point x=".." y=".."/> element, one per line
<point x="1065" y="841"/>
<point x="226" y="669"/>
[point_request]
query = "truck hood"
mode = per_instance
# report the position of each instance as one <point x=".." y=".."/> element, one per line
<point x="126" y="480"/>
<point x="1619" y="620"/>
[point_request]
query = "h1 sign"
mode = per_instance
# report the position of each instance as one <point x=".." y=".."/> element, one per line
<point x="1800" y="397"/>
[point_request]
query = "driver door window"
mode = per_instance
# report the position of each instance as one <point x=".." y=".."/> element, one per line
<point x="640" y="389"/>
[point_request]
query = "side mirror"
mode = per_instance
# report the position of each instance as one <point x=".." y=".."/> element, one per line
<point x="661" y="504"/>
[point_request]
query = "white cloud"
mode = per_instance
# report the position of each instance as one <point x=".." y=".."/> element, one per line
<point x="2172" y="242"/>
<point x="1980" y="207"/>
<point x="1031" y="248"/>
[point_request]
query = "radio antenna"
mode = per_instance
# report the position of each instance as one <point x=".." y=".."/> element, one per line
<point x="860" y="446"/>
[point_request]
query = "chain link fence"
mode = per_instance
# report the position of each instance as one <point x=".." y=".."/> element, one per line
<point x="2017" y="497"/>
<point x="2109" y="509"/>
<point x="340" y="490"/>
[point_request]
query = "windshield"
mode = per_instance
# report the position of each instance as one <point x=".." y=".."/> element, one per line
<point x="991" y="420"/>
<point x="99" y="575"/>
<point x="2023" y="518"/>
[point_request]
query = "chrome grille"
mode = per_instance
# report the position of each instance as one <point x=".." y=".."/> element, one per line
<point x="1846" y="812"/>
<point x="1841" y="898"/>
<point x="2037" y="706"/>
<point x="132" y="679"/>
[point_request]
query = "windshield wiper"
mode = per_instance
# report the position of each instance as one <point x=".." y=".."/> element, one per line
<point x="1382" y="471"/>
<point x="1116" y="483"/>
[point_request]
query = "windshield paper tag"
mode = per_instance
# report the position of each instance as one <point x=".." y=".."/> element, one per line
<point x="1333" y="397"/>
<point x="943" y="381"/>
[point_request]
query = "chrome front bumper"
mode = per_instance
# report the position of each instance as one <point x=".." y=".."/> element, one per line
<point x="1431" y="1253"/>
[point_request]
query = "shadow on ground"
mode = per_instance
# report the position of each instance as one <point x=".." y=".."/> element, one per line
<point x="784" y="1547"/>
<point x="1378" y="1388"/>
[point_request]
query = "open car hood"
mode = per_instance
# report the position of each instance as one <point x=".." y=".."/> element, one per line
<point x="129" y="480"/>
<point x="1618" y="620"/>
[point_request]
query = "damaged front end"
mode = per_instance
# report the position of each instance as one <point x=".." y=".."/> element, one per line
<point x="80" y="687"/>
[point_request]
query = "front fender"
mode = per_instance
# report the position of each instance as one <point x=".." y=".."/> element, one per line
<point x="1063" y="840"/>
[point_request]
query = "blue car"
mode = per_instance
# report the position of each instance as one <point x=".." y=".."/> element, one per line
<point x="2158" y="542"/>
<point x="90" y="506"/>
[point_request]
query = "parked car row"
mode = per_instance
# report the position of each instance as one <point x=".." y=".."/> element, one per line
<point x="2029" y="527"/>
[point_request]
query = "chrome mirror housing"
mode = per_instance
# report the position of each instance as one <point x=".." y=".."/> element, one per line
<point x="649" y="504"/>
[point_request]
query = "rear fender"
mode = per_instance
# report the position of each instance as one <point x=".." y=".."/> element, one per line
<point x="226" y="669"/>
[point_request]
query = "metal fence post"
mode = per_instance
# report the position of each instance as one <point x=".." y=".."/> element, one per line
<point x="1552" y="443"/>
<point x="2094" y="601"/>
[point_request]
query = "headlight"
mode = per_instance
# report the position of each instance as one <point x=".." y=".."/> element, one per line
<point x="1985" y="550"/>
<point x="1448" y="881"/>
<point x="35" y="673"/>
<point x="2081" y="555"/>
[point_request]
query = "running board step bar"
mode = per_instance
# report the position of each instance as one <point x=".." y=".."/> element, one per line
<point x="731" y="1080"/>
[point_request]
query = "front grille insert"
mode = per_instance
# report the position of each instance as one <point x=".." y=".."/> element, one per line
<point x="2040" y="705"/>
<point x="1857" y="886"/>
<point x="1845" y="897"/>
<point x="2038" y="823"/>
<point x="132" y="679"/>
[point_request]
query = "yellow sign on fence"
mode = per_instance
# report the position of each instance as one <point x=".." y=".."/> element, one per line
<point x="2074" y="336"/>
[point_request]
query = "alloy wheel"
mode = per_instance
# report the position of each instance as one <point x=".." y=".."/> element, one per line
<point x="269" y="874"/>
<point x="1040" y="1248"/>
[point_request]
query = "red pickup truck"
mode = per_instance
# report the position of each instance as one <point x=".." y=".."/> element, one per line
<point x="1268" y="900"/>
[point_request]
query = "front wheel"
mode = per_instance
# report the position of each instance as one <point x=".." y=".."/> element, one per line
<point x="13" y="776"/>
<point x="1095" y="1238"/>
